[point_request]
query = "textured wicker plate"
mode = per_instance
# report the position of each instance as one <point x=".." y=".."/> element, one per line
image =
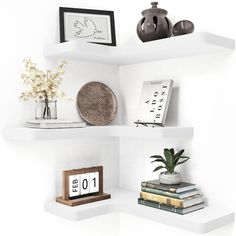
<point x="96" y="103"/>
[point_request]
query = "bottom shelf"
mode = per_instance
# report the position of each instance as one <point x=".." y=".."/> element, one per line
<point x="125" y="201"/>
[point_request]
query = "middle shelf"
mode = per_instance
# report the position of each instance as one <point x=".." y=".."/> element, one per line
<point x="30" y="134"/>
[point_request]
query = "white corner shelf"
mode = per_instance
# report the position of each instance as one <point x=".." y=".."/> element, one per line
<point x="30" y="134"/>
<point x="124" y="201"/>
<point x="174" y="47"/>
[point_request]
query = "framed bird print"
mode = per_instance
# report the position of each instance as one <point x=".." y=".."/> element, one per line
<point x="87" y="25"/>
<point x="154" y="102"/>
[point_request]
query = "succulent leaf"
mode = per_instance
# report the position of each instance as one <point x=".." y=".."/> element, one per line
<point x="172" y="151"/>
<point x="168" y="157"/>
<point x="179" y="153"/>
<point x="158" y="168"/>
<point x="181" y="162"/>
<point x="160" y="160"/>
<point x="156" y="156"/>
<point x="184" y="157"/>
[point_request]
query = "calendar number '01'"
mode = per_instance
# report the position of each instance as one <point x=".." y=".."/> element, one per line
<point x="82" y="184"/>
<point x="85" y="183"/>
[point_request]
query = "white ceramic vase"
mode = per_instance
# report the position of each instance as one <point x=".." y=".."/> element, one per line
<point x="170" y="178"/>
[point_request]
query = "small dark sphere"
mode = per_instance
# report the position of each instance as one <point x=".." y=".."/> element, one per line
<point x="183" y="27"/>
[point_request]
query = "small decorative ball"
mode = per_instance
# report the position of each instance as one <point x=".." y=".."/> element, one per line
<point x="183" y="27"/>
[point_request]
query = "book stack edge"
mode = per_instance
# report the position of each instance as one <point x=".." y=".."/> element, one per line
<point x="181" y="199"/>
<point x="54" y="124"/>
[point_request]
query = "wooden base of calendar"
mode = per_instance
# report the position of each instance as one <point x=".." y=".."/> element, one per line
<point x="84" y="200"/>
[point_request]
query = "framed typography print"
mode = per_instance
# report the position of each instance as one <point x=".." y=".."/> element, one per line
<point x="81" y="186"/>
<point x="87" y="25"/>
<point x="154" y="102"/>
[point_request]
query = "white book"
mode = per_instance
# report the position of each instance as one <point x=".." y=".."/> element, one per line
<point x="54" y="124"/>
<point x="193" y="200"/>
<point x="189" y="193"/>
<point x="154" y="102"/>
<point x="52" y="121"/>
<point x="192" y="208"/>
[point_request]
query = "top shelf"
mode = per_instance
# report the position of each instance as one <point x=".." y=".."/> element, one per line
<point x="174" y="47"/>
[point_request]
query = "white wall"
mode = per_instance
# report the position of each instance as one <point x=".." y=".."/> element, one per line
<point x="27" y="26"/>
<point x="204" y="100"/>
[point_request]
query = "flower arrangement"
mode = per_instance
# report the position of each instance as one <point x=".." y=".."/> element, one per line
<point x="44" y="86"/>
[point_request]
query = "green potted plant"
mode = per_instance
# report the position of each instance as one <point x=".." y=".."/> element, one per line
<point x="169" y="162"/>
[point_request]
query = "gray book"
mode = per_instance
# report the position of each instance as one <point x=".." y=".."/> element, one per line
<point x="181" y="211"/>
<point x="171" y="194"/>
<point x="174" y="188"/>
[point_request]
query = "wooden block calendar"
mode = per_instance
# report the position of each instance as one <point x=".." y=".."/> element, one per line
<point x="81" y="186"/>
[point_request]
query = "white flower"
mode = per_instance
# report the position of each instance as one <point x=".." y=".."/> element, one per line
<point x="43" y="85"/>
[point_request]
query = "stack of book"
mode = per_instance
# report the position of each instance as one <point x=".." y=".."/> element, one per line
<point x="181" y="199"/>
<point x="54" y="124"/>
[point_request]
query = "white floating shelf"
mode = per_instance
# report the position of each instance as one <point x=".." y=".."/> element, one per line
<point x="174" y="47"/>
<point x="123" y="201"/>
<point x="30" y="134"/>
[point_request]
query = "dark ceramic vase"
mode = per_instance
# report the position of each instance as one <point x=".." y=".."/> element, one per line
<point x="154" y="24"/>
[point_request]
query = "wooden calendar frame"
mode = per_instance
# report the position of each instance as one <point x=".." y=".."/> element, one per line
<point x="65" y="199"/>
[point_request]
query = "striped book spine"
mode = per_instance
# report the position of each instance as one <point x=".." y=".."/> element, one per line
<point x="161" y="199"/>
<point x="160" y="192"/>
<point x="154" y="186"/>
<point x="160" y="206"/>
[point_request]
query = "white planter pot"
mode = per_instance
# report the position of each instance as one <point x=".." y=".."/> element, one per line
<point x="168" y="178"/>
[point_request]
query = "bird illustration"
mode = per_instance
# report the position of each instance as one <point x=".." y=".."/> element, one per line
<point x="86" y="29"/>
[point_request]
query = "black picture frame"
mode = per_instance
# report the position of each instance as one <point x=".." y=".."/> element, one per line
<point x="81" y="26"/>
